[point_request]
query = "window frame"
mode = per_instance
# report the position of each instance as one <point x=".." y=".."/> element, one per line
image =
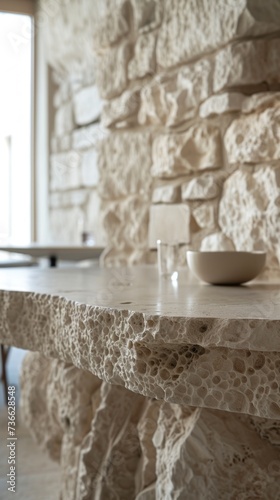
<point x="39" y="122"/>
<point x="18" y="6"/>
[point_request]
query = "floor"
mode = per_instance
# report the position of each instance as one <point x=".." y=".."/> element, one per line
<point x="37" y="477"/>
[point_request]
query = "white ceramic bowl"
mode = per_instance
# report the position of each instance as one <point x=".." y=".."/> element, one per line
<point x="226" y="268"/>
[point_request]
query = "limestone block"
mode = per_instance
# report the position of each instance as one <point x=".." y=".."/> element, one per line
<point x="124" y="162"/>
<point x="197" y="149"/>
<point x="110" y="456"/>
<point x="68" y="198"/>
<point x="87" y="137"/>
<point x="174" y="98"/>
<point x="65" y="224"/>
<point x="111" y="70"/>
<point x="63" y="398"/>
<point x="55" y="200"/>
<point x="205" y="215"/>
<point x="64" y="119"/>
<point x="67" y="28"/>
<point x="63" y="93"/>
<point x="123" y="108"/>
<point x="54" y="144"/>
<point x="210" y="470"/>
<point x="166" y="194"/>
<point x="223" y="103"/>
<point x="259" y="101"/>
<point x="216" y="241"/>
<point x="65" y="170"/>
<point x="205" y="187"/>
<point x="93" y="219"/>
<point x="183" y="37"/>
<point x="146" y="427"/>
<point x="254" y="138"/>
<point x="169" y="223"/>
<point x="113" y="443"/>
<point x="147" y="14"/>
<point x="144" y="61"/>
<point x="47" y="430"/>
<point x="89" y="173"/>
<point x="173" y="421"/>
<point x="250" y="211"/>
<point x="126" y="224"/>
<point x="64" y="143"/>
<point x="194" y="84"/>
<point x="87" y="105"/>
<point x="110" y="24"/>
<point x="154" y="108"/>
<point x="190" y="352"/>
<point x="79" y="79"/>
<point x="247" y="63"/>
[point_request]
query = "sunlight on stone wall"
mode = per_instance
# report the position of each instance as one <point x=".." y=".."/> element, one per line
<point x="189" y="115"/>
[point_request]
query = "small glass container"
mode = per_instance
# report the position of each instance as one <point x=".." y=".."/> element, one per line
<point x="168" y="258"/>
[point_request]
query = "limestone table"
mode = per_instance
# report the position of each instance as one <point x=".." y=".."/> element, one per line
<point x="146" y="388"/>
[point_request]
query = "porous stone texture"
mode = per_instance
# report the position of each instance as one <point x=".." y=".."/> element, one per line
<point x="171" y="99"/>
<point x="149" y="449"/>
<point x="197" y="149"/>
<point x="111" y="70"/>
<point x="87" y="105"/>
<point x="110" y="26"/>
<point x="166" y="194"/>
<point x="144" y="61"/>
<point x="258" y="211"/>
<point x="200" y="188"/>
<point x="201" y="79"/>
<point x="260" y="101"/>
<point x="204" y="409"/>
<point x="122" y="110"/>
<point x="184" y="37"/>
<point x="127" y="243"/>
<point x="247" y="63"/>
<point x="147" y="14"/>
<point x="215" y="242"/>
<point x="120" y="149"/>
<point x="205" y="214"/>
<point x="255" y="138"/>
<point x="199" y="343"/>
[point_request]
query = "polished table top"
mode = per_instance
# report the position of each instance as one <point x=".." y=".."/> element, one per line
<point x="141" y="290"/>
<point x="186" y="342"/>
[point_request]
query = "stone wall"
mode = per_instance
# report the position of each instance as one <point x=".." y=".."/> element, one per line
<point x="189" y="123"/>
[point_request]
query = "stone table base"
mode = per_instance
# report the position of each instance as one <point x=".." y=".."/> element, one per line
<point x="114" y="444"/>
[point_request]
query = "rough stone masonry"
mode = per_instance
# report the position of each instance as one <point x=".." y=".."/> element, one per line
<point x="162" y="103"/>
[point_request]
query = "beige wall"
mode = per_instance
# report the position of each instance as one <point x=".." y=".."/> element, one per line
<point x="186" y="135"/>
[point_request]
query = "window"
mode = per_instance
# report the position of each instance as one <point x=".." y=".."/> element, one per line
<point x="16" y="59"/>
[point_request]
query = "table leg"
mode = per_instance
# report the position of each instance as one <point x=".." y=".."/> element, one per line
<point x="4" y="357"/>
<point x="53" y="261"/>
<point x="115" y="444"/>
